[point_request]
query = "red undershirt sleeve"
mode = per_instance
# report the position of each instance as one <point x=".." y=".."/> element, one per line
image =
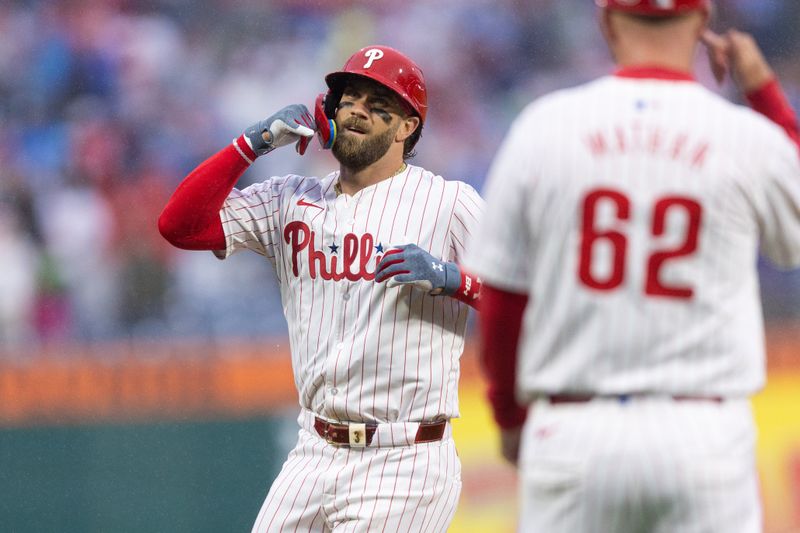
<point x="500" y="323"/>
<point x="771" y="101"/>
<point x="191" y="219"/>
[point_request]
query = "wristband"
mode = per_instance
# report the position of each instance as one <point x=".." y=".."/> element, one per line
<point x="469" y="290"/>
<point x="242" y="145"/>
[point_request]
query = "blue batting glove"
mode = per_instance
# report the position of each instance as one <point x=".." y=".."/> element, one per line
<point x="290" y="124"/>
<point x="411" y="265"/>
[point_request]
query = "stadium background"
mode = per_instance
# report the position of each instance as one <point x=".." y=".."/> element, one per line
<point x="147" y="389"/>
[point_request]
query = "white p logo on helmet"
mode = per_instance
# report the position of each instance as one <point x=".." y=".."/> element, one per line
<point x="372" y="55"/>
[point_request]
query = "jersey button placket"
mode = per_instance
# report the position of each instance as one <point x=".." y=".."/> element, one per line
<point x="333" y="389"/>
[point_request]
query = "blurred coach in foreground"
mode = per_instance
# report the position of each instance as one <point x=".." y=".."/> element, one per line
<point x="621" y="300"/>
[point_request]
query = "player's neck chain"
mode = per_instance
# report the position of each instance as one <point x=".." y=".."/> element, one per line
<point x="338" y="186"/>
<point x="399" y="170"/>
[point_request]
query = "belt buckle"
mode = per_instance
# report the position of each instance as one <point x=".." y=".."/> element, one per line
<point x="327" y="434"/>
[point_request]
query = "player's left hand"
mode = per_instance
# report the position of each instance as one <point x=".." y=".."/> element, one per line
<point x="410" y="264"/>
<point x="292" y="124"/>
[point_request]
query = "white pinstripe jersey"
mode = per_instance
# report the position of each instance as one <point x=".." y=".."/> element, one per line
<point x="631" y="212"/>
<point x="361" y="351"/>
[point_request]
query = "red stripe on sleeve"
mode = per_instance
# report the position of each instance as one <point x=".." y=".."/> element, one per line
<point x="190" y="219"/>
<point x="500" y="322"/>
<point x="771" y="102"/>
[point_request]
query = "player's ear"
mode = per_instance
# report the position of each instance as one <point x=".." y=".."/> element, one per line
<point x="408" y="125"/>
<point x="607" y="26"/>
<point x="705" y="22"/>
<point x="606" y="21"/>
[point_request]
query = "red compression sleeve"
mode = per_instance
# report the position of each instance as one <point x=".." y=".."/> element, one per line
<point x="469" y="291"/>
<point x="500" y="322"/>
<point x="771" y="102"/>
<point x="190" y="219"/>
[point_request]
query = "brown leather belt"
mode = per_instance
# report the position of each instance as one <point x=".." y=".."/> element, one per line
<point x="623" y="398"/>
<point x="341" y="433"/>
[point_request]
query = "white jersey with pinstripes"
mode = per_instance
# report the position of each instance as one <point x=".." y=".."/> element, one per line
<point x="631" y="211"/>
<point x="361" y="352"/>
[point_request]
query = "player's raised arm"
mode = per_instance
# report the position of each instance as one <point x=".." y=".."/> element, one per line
<point x="738" y="52"/>
<point x="190" y="219"/>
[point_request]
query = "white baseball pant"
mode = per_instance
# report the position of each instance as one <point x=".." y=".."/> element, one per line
<point x="381" y="487"/>
<point x="648" y="464"/>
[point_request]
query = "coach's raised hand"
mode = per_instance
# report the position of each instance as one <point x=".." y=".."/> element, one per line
<point x="411" y="265"/>
<point x="737" y="52"/>
<point x="290" y="124"/>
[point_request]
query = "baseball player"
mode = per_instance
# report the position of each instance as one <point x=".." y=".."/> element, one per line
<point x="620" y="303"/>
<point x="376" y="304"/>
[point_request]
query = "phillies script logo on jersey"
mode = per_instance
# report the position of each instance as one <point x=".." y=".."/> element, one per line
<point x="356" y="253"/>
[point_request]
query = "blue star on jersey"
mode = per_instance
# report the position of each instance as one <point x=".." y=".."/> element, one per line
<point x="379" y="248"/>
<point x="334" y="249"/>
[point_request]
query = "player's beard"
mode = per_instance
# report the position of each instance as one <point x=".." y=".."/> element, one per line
<point x="358" y="154"/>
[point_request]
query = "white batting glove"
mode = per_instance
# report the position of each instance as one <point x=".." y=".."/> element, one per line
<point x="290" y="124"/>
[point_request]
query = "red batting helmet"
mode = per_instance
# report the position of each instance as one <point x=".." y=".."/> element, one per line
<point x="388" y="67"/>
<point x="655" y="7"/>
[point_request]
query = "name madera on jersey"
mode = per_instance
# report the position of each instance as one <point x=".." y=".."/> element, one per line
<point x="653" y="139"/>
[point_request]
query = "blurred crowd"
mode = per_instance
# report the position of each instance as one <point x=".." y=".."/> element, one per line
<point x="106" y="105"/>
